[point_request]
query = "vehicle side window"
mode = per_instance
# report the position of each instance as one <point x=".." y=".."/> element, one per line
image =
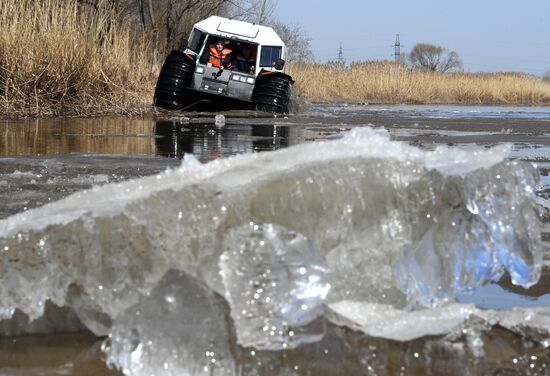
<point x="269" y="55"/>
<point x="197" y="39"/>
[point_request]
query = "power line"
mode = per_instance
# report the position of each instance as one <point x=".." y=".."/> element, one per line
<point x="362" y="48"/>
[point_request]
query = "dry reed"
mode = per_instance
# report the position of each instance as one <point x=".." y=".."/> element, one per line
<point x="381" y="82"/>
<point x="57" y="58"/>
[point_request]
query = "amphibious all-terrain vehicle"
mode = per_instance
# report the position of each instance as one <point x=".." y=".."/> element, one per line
<point x="188" y="75"/>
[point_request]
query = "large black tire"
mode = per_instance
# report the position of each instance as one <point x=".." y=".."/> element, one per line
<point x="174" y="79"/>
<point x="272" y="93"/>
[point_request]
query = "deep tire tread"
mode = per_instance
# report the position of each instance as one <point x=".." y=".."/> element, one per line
<point x="173" y="81"/>
<point x="272" y="93"/>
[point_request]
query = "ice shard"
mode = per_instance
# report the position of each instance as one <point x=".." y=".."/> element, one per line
<point x="386" y="321"/>
<point x="486" y="225"/>
<point x="381" y="320"/>
<point x="178" y="329"/>
<point x="276" y="283"/>
<point x="396" y="225"/>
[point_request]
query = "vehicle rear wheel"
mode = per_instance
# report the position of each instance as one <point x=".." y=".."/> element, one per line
<point x="272" y="93"/>
<point x="173" y="81"/>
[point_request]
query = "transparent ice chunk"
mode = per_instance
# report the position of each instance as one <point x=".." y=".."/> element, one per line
<point x="394" y="223"/>
<point x="180" y="328"/>
<point x="487" y="226"/>
<point x="276" y="283"/>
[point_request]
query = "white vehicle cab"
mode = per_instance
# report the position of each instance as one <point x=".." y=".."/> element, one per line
<point x="226" y="61"/>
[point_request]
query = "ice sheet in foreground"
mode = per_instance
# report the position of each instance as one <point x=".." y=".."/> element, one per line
<point x="396" y="225"/>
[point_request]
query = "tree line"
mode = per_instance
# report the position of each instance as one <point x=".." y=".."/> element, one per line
<point x="165" y="23"/>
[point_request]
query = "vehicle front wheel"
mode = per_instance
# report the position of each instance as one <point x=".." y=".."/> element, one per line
<point x="174" y="78"/>
<point x="272" y="92"/>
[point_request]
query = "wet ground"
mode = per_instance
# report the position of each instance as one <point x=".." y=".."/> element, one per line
<point x="45" y="160"/>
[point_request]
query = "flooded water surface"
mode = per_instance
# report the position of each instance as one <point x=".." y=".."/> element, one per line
<point x="348" y="239"/>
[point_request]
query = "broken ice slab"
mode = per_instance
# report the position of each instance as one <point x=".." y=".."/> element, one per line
<point x="491" y="227"/>
<point x="533" y="323"/>
<point x="348" y="352"/>
<point x="179" y="328"/>
<point x="382" y="320"/>
<point x="276" y="284"/>
<point x="362" y="200"/>
<point x="385" y="321"/>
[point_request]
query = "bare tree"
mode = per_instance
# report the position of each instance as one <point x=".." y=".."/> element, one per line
<point x="546" y="76"/>
<point x="255" y="11"/>
<point x="434" y="58"/>
<point x="165" y="22"/>
<point x="172" y="20"/>
<point x="297" y="42"/>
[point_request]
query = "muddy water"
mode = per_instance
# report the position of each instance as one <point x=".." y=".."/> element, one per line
<point x="44" y="160"/>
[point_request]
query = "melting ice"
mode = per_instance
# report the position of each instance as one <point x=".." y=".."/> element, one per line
<point x="350" y="228"/>
<point x="276" y="283"/>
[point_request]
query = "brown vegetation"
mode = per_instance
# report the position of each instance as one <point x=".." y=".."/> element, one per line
<point x="57" y="59"/>
<point x="434" y="58"/>
<point x="384" y="82"/>
<point x="60" y="57"/>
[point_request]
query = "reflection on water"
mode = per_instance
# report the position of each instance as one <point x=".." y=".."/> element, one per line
<point x="66" y="135"/>
<point x="341" y="352"/>
<point x="207" y="142"/>
<point x="62" y="354"/>
<point x="142" y="137"/>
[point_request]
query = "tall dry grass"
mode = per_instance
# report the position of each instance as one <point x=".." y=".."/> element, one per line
<point x="380" y="82"/>
<point x="58" y="59"/>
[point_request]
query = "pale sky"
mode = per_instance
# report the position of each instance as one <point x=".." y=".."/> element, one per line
<point x="488" y="35"/>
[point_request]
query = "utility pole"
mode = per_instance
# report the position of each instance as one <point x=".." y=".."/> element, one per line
<point x="397" y="46"/>
<point x="341" y="61"/>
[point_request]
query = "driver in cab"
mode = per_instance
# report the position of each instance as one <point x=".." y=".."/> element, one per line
<point x="217" y="56"/>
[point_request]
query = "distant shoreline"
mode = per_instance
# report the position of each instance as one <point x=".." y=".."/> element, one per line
<point x="386" y="83"/>
<point x="151" y="111"/>
<point x="374" y="103"/>
<point x="368" y="84"/>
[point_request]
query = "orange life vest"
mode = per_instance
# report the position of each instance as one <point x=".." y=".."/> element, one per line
<point x="217" y="59"/>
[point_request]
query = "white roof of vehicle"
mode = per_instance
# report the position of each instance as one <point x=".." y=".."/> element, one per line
<point x="233" y="29"/>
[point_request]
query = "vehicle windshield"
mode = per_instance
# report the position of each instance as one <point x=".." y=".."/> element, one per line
<point x="242" y="55"/>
